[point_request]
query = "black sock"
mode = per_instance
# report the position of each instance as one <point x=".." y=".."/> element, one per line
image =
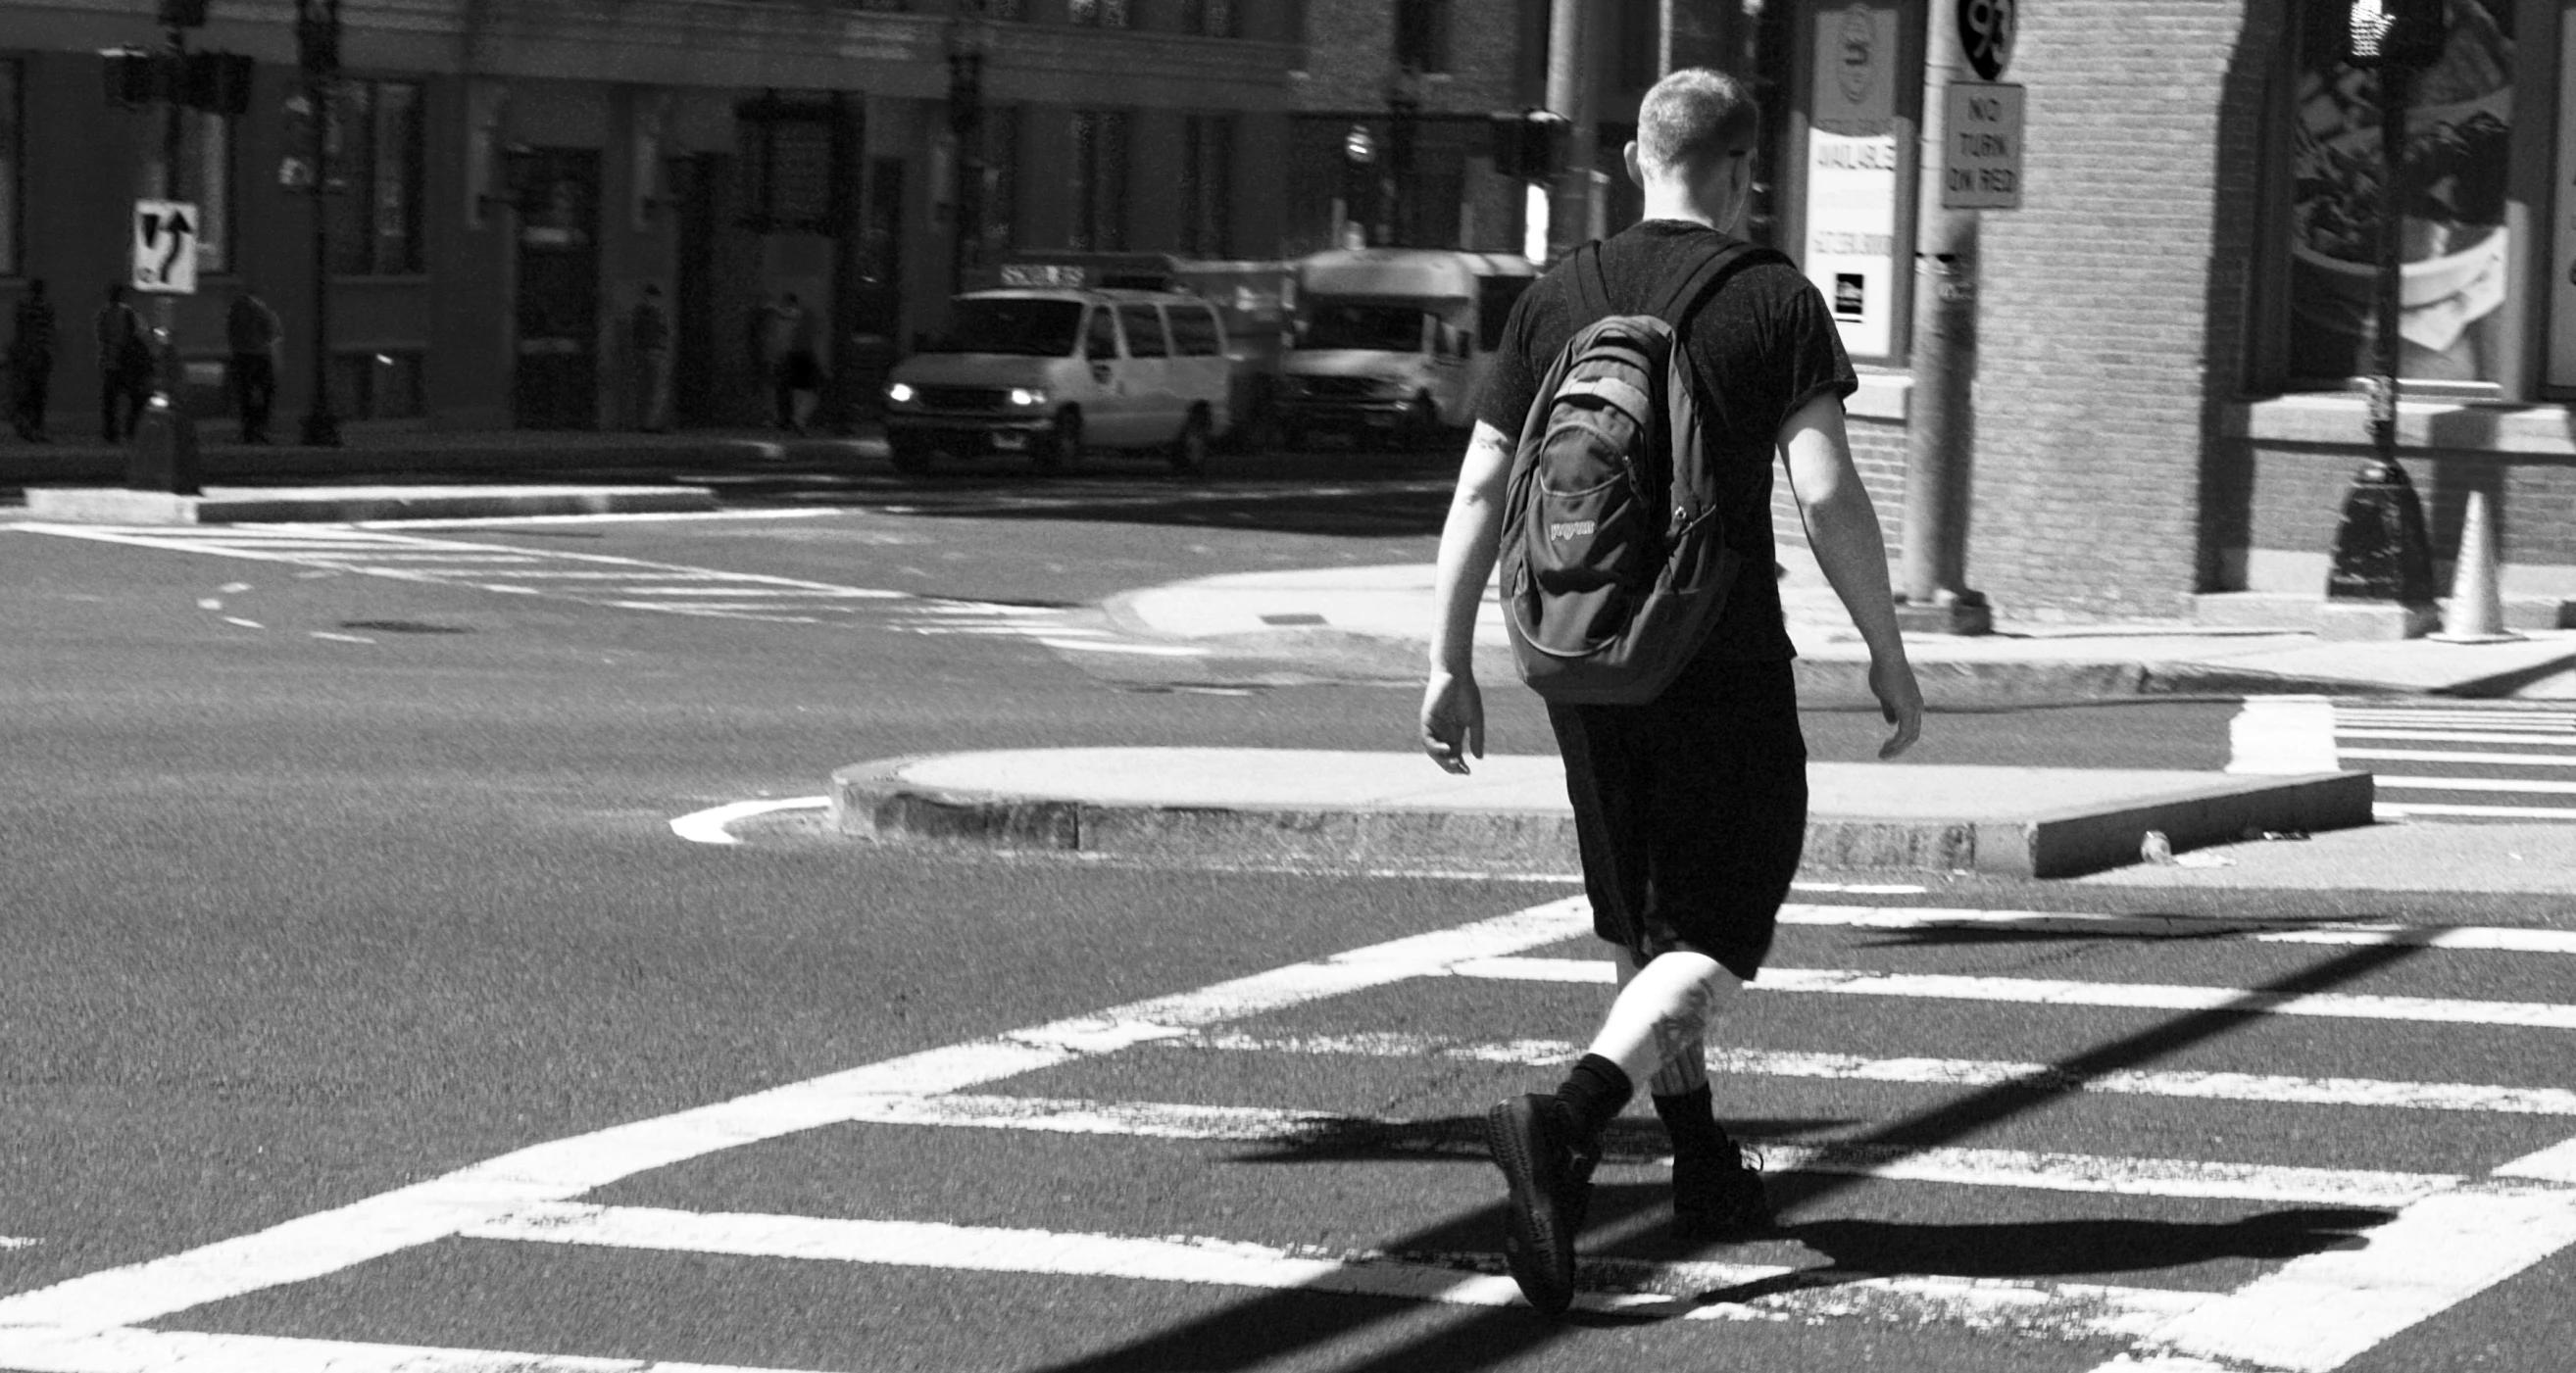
<point x="1594" y="1091"/>
<point x="1690" y="1119"/>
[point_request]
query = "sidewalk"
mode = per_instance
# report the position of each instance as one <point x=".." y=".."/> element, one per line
<point x="1374" y="621"/>
<point x="1397" y="812"/>
<point x="377" y="449"/>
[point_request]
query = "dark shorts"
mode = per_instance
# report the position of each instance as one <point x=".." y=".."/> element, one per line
<point x="1691" y="811"/>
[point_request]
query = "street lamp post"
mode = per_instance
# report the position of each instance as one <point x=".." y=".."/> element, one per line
<point x="317" y="45"/>
<point x="2381" y="550"/>
<point x="970" y="42"/>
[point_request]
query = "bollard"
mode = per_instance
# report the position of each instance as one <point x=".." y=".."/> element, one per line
<point x="2381" y="551"/>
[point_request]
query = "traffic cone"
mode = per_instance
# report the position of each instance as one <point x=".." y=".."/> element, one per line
<point x="2475" y="614"/>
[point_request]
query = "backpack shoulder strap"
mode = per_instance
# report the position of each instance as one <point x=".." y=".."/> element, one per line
<point x="1703" y="280"/>
<point x="1591" y="284"/>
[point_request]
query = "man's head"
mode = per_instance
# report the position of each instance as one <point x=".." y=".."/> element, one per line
<point x="36" y="287"/>
<point x="115" y="292"/>
<point x="652" y="290"/>
<point x="1696" y="132"/>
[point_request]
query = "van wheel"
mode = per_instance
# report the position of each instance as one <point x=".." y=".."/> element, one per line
<point x="911" y="458"/>
<point x="1190" y="450"/>
<point x="1062" y="450"/>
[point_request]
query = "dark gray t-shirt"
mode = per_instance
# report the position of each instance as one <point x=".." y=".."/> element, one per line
<point x="1765" y="346"/>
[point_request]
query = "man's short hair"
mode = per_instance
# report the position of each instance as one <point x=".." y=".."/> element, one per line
<point x="1694" y="118"/>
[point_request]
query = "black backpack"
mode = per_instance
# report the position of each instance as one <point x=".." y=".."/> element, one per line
<point x="1614" y="564"/>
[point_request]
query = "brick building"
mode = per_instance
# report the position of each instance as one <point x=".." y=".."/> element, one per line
<point x="507" y="176"/>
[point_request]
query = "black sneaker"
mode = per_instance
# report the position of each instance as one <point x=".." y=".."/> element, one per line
<point x="1718" y="1196"/>
<point x="1550" y="1182"/>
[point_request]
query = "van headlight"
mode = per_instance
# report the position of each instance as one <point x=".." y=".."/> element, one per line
<point x="1026" y="399"/>
<point x="900" y="393"/>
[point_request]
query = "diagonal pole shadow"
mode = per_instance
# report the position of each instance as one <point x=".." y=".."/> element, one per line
<point x="1260" y="1329"/>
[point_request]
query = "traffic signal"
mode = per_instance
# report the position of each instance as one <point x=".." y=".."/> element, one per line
<point x="218" y="82"/>
<point x="1529" y="145"/>
<point x="133" y="77"/>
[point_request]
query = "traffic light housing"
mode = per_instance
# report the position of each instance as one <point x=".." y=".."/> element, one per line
<point x="218" y="82"/>
<point x="1530" y="145"/>
<point x="134" y="77"/>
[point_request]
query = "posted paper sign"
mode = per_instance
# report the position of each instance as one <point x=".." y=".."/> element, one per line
<point x="1851" y="236"/>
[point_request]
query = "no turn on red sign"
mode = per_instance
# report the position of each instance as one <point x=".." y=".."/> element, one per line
<point x="1981" y="147"/>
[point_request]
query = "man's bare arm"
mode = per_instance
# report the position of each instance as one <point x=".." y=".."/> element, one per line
<point x="1453" y="714"/>
<point x="1842" y="529"/>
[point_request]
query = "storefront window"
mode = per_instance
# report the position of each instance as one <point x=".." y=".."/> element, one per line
<point x="2459" y="129"/>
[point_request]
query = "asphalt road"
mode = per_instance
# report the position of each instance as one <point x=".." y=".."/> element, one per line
<point x="324" y="884"/>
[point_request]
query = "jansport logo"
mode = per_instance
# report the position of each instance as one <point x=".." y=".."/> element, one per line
<point x="1569" y="529"/>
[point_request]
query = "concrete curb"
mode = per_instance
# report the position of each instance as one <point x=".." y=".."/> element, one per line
<point x="875" y="801"/>
<point x="254" y="505"/>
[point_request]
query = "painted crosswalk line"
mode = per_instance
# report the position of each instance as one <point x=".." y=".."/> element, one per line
<point x="2530" y="751"/>
<point x="2483" y="1226"/>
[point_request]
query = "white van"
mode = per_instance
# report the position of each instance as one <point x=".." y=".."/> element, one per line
<point x="1394" y="340"/>
<point x="1058" y="372"/>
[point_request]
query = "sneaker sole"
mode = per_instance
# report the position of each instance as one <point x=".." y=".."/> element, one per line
<point x="1541" y="1260"/>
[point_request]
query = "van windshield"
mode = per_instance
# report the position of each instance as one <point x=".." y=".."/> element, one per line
<point x="1349" y="324"/>
<point x="1028" y="328"/>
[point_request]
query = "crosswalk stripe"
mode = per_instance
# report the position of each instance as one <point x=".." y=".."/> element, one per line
<point x="2272" y="1088"/>
<point x="2055" y="1310"/>
<point x="2540" y="1015"/>
<point x="2385" y="810"/>
<point x="324" y="1242"/>
<point x="2196" y="929"/>
<point x="43" y="1349"/>
<point x="2016" y="1168"/>
<point x="2477" y="784"/>
<point x="2501" y="760"/>
<point x="2457" y="736"/>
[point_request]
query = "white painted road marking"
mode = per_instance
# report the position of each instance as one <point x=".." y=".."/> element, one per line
<point x="2475" y="1230"/>
<point x="708" y="826"/>
<point x="325" y="1242"/>
<point x="2198" y="930"/>
<point x="2149" y="996"/>
<point x="1953" y="1072"/>
<point x="2064" y="1309"/>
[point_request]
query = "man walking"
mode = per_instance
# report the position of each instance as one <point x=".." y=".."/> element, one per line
<point x="648" y="335"/>
<point x="1690" y="810"/>
<point x="124" y="365"/>
<point x="31" y="362"/>
<point x="255" y="336"/>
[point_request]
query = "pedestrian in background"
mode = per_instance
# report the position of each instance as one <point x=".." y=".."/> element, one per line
<point x="1690" y="810"/>
<point x="649" y="339"/>
<point x="124" y="365"/>
<point x="787" y="351"/>
<point x="31" y="362"/>
<point x="256" y="337"/>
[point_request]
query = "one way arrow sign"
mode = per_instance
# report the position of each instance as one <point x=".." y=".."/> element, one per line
<point x="165" y="247"/>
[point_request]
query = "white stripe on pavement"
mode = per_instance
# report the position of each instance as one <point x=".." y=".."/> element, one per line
<point x="2043" y="1171"/>
<point x="2050" y="1309"/>
<point x="2502" y="760"/>
<point x="1952" y="1072"/>
<point x="2197" y="929"/>
<point x="2553" y="739"/>
<point x="43" y="1349"/>
<point x="325" y="1242"/>
<point x="2539" y="1015"/>
<point x="2476" y="784"/>
<point x="708" y="826"/>
<point x="2385" y="810"/>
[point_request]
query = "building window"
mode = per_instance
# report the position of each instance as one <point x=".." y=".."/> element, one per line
<point x="1100" y="14"/>
<point x="1422" y="35"/>
<point x="2460" y="128"/>
<point x="379" y="385"/>
<point x="1099" y="198"/>
<point x="1207" y="175"/>
<point x="375" y="144"/>
<point x="13" y="147"/>
<point x="1210" y="18"/>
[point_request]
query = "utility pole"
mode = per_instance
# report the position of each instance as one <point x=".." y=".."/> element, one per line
<point x="1940" y="430"/>
<point x="317" y="41"/>
<point x="1570" y="97"/>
